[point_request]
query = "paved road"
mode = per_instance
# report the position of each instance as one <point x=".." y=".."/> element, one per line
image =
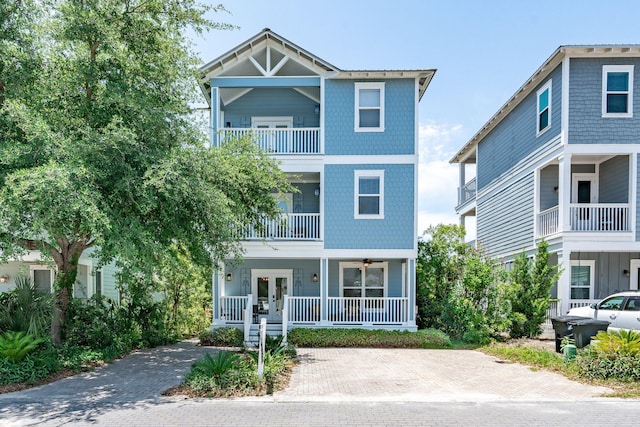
<point x="328" y="387"/>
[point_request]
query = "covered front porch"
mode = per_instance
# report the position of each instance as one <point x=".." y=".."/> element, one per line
<point x="376" y="294"/>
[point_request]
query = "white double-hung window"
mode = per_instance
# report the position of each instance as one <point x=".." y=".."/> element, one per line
<point x="544" y="108"/>
<point x="369" y="103"/>
<point x="617" y="91"/>
<point x="369" y="194"/>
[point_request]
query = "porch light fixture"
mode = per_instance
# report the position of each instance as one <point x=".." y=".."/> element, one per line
<point x="315" y="277"/>
<point x="316" y="109"/>
<point x="626" y="273"/>
<point x="366" y="262"/>
<point x="229" y="277"/>
<point x="316" y="192"/>
<point x="4" y="278"/>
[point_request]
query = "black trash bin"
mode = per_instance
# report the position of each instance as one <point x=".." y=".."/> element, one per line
<point x="562" y="328"/>
<point x="583" y="330"/>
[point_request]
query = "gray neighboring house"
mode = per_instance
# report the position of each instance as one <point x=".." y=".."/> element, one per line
<point x="559" y="161"/>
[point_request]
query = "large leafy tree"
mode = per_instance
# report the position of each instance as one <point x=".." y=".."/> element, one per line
<point x="99" y="149"/>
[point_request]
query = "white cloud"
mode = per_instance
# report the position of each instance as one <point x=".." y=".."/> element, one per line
<point x="438" y="180"/>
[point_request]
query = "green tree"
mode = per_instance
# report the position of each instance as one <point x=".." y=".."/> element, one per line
<point x="531" y="283"/>
<point x="100" y="148"/>
<point x="460" y="290"/>
<point x="440" y="264"/>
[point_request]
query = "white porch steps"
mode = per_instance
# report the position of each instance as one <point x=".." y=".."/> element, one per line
<point x="273" y="330"/>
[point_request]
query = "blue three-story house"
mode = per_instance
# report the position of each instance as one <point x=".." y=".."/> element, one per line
<point x="344" y="252"/>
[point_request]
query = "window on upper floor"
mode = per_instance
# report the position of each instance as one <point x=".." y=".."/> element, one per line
<point x="617" y="91"/>
<point x="544" y="108"/>
<point x="369" y="111"/>
<point x="369" y="194"/>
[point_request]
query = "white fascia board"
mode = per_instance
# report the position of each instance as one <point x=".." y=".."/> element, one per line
<point x="370" y="253"/>
<point x="601" y="148"/>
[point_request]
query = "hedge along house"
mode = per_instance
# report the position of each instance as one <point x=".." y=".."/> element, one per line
<point x="559" y="161"/>
<point x="343" y="253"/>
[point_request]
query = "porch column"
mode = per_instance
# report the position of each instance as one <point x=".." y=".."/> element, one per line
<point x="324" y="290"/>
<point x="564" y="193"/>
<point x="411" y="287"/>
<point x="215" y="114"/>
<point x="564" y="281"/>
<point x="461" y="172"/>
<point x="218" y="282"/>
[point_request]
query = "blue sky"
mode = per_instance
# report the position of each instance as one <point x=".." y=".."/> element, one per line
<point x="483" y="50"/>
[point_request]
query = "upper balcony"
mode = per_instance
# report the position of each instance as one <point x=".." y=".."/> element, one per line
<point x="280" y="141"/>
<point x="597" y="196"/>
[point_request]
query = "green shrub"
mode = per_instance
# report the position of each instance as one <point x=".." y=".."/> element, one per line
<point x="215" y="366"/>
<point x="596" y="365"/>
<point x="225" y="374"/>
<point x="16" y="345"/>
<point x="37" y="365"/>
<point x="323" y="337"/>
<point x="222" y="337"/>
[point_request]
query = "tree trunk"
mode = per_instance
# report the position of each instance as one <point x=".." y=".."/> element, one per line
<point x="67" y="263"/>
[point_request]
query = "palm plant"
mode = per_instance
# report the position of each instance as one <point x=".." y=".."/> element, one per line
<point x="621" y="342"/>
<point x="26" y="309"/>
<point x="16" y="345"/>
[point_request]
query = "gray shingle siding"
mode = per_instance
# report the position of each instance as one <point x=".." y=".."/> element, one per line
<point x="506" y="224"/>
<point x="586" y="124"/>
<point x="614" y="180"/>
<point x="515" y="137"/>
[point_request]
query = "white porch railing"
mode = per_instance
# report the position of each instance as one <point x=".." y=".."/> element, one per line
<point x="548" y="222"/>
<point x="599" y="217"/>
<point x="367" y="310"/>
<point x="304" y="309"/>
<point x="280" y="141"/>
<point x="293" y="226"/>
<point x="553" y="310"/>
<point x="467" y="192"/>
<point x="581" y="302"/>
<point x="232" y="308"/>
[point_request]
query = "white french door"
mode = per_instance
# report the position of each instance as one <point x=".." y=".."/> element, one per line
<point x="269" y="288"/>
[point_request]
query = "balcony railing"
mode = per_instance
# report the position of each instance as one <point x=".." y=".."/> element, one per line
<point x="305" y="226"/>
<point x="548" y="222"/>
<point x="280" y="141"/>
<point x="467" y="192"/>
<point x="587" y="217"/>
<point x="599" y="217"/>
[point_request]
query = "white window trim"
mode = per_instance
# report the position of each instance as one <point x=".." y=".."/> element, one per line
<point x="592" y="274"/>
<point x="356" y="192"/>
<point x="384" y="265"/>
<point x="33" y="268"/>
<point x="547" y="86"/>
<point x="371" y="85"/>
<point x="593" y="177"/>
<point x="617" y="69"/>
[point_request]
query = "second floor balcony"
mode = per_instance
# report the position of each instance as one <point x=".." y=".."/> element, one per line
<point x="279" y="141"/>
<point x="290" y="226"/>
<point x="587" y="217"/>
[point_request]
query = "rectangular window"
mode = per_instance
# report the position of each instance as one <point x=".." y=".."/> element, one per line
<point x="617" y="91"/>
<point x="359" y="281"/>
<point x="582" y="278"/>
<point x="369" y="111"/>
<point x="369" y="194"/>
<point x="544" y="108"/>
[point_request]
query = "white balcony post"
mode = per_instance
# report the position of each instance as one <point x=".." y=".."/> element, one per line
<point x="564" y="193"/>
<point x="564" y="281"/>
<point x="461" y="172"/>
<point x="248" y="317"/>
<point x="285" y="318"/>
<point x="324" y="286"/>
